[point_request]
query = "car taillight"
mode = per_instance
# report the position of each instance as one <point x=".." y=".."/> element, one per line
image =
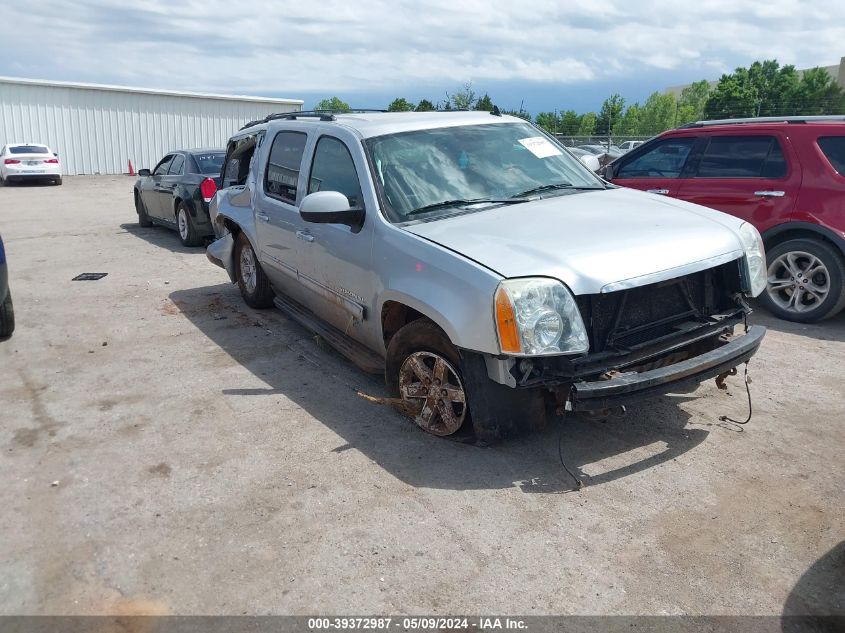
<point x="54" y="161"/>
<point x="208" y="188"/>
<point x="11" y="161"/>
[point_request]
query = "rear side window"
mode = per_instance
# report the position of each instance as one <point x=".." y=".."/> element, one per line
<point x="664" y="159"/>
<point x="176" y="166"/>
<point x="742" y="157"/>
<point x="283" y="167"/>
<point x="333" y="170"/>
<point x="834" y="150"/>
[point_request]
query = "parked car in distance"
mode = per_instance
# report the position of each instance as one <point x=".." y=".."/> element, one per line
<point x="627" y="146"/>
<point x="589" y="159"/>
<point x="598" y="150"/>
<point x="485" y="271"/>
<point x="21" y="162"/>
<point x="7" y="311"/>
<point x="784" y="175"/>
<point x="176" y="193"/>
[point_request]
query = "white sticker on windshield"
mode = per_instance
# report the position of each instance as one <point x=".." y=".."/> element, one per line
<point x="540" y="146"/>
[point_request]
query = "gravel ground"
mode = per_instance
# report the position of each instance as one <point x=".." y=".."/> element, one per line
<point x="166" y="449"/>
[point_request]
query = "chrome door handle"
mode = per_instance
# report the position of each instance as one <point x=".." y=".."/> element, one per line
<point x="662" y="192"/>
<point x="263" y="216"/>
<point x="769" y="194"/>
<point x="305" y="235"/>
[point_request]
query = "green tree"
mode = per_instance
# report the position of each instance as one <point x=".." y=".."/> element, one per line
<point x="333" y="104"/>
<point x="549" y="121"/>
<point x="587" y="125"/>
<point x="631" y="123"/>
<point x="464" y="99"/>
<point x="610" y="115"/>
<point x="400" y="104"/>
<point x="692" y="101"/>
<point x="763" y="89"/>
<point x="484" y="103"/>
<point x="425" y="106"/>
<point x="570" y="121"/>
<point x="658" y="114"/>
<point x="818" y="94"/>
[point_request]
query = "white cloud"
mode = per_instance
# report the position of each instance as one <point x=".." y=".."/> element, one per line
<point x="293" y="47"/>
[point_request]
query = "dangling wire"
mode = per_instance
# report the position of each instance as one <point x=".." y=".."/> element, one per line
<point x="725" y="418"/>
<point x="578" y="482"/>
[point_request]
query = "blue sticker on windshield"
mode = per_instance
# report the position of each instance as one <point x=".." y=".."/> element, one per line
<point x="463" y="160"/>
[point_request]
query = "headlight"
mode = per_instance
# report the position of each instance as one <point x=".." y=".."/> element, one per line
<point x="755" y="259"/>
<point x="536" y="317"/>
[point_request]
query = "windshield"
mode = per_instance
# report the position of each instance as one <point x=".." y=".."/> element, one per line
<point x="210" y="164"/>
<point x="28" y="149"/>
<point x="436" y="171"/>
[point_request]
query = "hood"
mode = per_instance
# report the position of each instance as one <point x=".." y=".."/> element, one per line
<point x="596" y="241"/>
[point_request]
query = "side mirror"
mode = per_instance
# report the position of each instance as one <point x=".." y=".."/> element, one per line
<point x="144" y="172"/>
<point x="609" y="171"/>
<point x="330" y="207"/>
<point x="56" y="154"/>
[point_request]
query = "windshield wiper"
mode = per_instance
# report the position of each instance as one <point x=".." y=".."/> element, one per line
<point x="552" y="187"/>
<point x="454" y="203"/>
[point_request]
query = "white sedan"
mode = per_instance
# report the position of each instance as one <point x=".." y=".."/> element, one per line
<point x="29" y="161"/>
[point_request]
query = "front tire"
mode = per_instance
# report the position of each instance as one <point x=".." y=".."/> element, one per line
<point x="7" y="317"/>
<point x="185" y="226"/>
<point x="805" y="281"/>
<point x="143" y="218"/>
<point x="253" y="283"/>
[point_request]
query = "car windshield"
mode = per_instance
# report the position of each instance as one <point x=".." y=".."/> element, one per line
<point x="211" y="163"/>
<point x="436" y="172"/>
<point x="28" y="149"/>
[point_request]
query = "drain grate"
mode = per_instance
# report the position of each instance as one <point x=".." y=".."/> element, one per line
<point x="89" y="276"/>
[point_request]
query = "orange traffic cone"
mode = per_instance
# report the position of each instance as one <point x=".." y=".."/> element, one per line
<point x="131" y="169"/>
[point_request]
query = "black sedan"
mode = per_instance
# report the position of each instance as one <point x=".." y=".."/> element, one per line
<point x="176" y="193"/>
<point x="7" y="314"/>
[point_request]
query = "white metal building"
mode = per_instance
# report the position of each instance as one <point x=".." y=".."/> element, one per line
<point x="98" y="129"/>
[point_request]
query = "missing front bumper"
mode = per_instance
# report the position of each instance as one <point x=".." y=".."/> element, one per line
<point x="678" y="377"/>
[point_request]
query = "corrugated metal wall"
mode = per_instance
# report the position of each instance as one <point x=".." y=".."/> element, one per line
<point x="97" y="131"/>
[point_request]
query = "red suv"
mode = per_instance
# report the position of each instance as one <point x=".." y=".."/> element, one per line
<point x="786" y="176"/>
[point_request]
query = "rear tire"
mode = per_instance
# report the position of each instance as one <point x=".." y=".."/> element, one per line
<point x="253" y="283"/>
<point x="7" y="317"/>
<point x="57" y="181"/>
<point x="143" y="218"/>
<point x="806" y="281"/>
<point x="185" y="227"/>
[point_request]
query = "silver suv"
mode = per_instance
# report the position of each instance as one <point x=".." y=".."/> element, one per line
<point x="487" y="272"/>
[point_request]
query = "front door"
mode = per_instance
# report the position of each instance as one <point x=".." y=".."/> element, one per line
<point x="166" y="185"/>
<point x="335" y="262"/>
<point x="151" y="192"/>
<point x="655" y="167"/>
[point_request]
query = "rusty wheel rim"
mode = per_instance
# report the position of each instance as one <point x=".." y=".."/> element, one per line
<point x="433" y="392"/>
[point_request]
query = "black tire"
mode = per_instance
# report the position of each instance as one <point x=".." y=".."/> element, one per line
<point x="143" y="218"/>
<point x="188" y="236"/>
<point x="494" y="411"/>
<point x="57" y="181"/>
<point x="261" y="296"/>
<point x="790" y="300"/>
<point x="7" y="317"/>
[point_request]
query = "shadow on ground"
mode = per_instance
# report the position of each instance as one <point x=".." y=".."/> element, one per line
<point x="160" y="236"/>
<point x="288" y="359"/>
<point x="832" y="329"/>
<point x="819" y="592"/>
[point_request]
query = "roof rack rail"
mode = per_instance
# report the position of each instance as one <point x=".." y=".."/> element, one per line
<point x="767" y="119"/>
<point x="323" y="115"/>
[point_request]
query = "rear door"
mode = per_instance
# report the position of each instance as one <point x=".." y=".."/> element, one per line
<point x="753" y="176"/>
<point x="277" y="220"/>
<point x="655" y="167"/>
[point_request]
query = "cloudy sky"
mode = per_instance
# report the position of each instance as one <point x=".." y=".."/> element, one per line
<point x="543" y="53"/>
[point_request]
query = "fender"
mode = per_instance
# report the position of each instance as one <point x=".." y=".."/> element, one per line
<point x="423" y="308"/>
<point x="818" y="229"/>
<point x="228" y="207"/>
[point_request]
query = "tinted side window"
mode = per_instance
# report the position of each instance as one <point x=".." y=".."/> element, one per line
<point x="665" y="159"/>
<point x="834" y="149"/>
<point x="333" y="170"/>
<point x="161" y="168"/>
<point x="742" y="157"/>
<point x="176" y="166"/>
<point x="284" y="165"/>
